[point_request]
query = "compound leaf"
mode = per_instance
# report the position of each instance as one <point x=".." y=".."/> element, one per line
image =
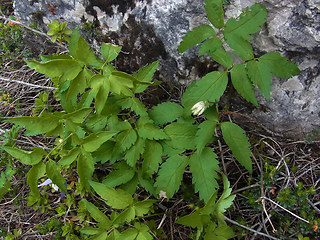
<point x="209" y="88"/>
<point x="214" y="12"/>
<point x="115" y="198"/>
<point x="279" y="66"/>
<point x="165" y="112"/>
<point x="242" y="83"/>
<point x="238" y="142"/>
<point x="195" y="36"/>
<point x="203" y="167"/>
<point x="170" y="175"/>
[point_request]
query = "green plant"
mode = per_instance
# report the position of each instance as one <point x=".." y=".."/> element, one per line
<point x="104" y="123"/>
<point x="11" y="44"/>
<point x="59" y="31"/>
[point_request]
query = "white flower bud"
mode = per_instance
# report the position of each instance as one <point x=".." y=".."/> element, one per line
<point x="198" y="108"/>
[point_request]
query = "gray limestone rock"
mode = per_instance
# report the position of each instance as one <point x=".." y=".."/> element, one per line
<point x="150" y="30"/>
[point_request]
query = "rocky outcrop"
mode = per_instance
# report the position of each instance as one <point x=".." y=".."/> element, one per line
<point x="150" y="30"/>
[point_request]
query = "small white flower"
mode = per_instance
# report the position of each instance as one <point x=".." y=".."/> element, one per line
<point x="198" y="108"/>
<point x="47" y="182"/>
<point x="162" y="194"/>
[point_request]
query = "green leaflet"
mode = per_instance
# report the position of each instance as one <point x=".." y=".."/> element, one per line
<point x="126" y="216"/>
<point x="92" y="142"/>
<point x="53" y="172"/>
<point x="120" y="83"/>
<point x="151" y="157"/>
<point x="80" y="50"/>
<point x="201" y="218"/>
<point x="36" y="125"/>
<point x="209" y="88"/>
<point x="146" y="182"/>
<point x="140" y="232"/>
<point x="242" y="84"/>
<point x="97" y="215"/>
<point x="237" y="32"/>
<point x="134" y="104"/>
<point x="215" y="12"/>
<point x="149" y="131"/>
<point x="131" y="186"/>
<point x="197" y="35"/>
<point x="85" y="168"/>
<point x="109" y="52"/>
<point x="181" y="135"/>
<point x="26" y="157"/>
<point x="222" y="232"/>
<point x="205" y="134"/>
<point x="279" y="65"/>
<point x="77" y="86"/>
<point x="119" y="176"/>
<point x="114" y="124"/>
<point x="203" y="167"/>
<point x="69" y="157"/>
<point x="170" y="175"/>
<point x="165" y="112"/>
<point x="145" y="75"/>
<point x="65" y="69"/>
<point x="134" y="153"/>
<point x="210" y="46"/>
<point x="100" y="87"/>
<point x="115" y="198"/>
<point x="143" y="207"/>
<point x="224" y="202"/>
<point x="261" y="76"/>
<point x="107" y="152"/>
<point x="126" y="139"/>
<point x="238" y="142"/>
<point x="222" y="57"/>
<point x="96" y="123"/>
<point x="33" y="175"/>
<point x="78" y="115"/>
<point x="194" y="220"/>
